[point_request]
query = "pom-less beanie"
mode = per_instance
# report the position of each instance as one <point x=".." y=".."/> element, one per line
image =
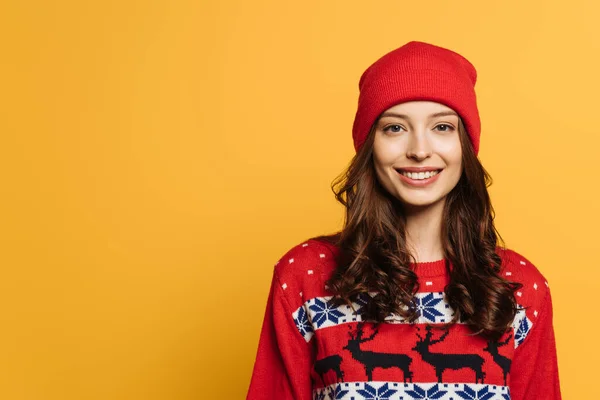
<point x="417" y="71"/>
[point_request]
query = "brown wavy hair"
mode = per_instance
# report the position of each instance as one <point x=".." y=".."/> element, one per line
<point x="374" y="258"/>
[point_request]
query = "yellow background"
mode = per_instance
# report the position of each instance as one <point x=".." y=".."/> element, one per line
<point x="158" y="157"/>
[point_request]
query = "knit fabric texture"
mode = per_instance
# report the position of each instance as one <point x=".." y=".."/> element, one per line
<point x="417" y="71"/>
<point x="311" y="349"/>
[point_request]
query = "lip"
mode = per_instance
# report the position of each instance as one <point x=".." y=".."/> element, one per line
<point x="418" y="169"/>
<point x="420" y="182"/>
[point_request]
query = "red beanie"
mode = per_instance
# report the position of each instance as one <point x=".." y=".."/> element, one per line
<point x="417" y="71"/>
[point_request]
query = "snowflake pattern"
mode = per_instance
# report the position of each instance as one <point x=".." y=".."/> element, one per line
<point x="522" y="331"/>
<point x="469" y="393"/>
<point x="410" y="391"/>
<point x="373" y="393"/>
<point x="427" y="306"/>
<point x="361" y="301"/>
<point x="433" y="392"/>
<point x="324" y="310"/>
<point x="320" y="312"/>
<point x="302" y="323"/>
<point x="521" y="326"/>
<point x="338" y="393"/>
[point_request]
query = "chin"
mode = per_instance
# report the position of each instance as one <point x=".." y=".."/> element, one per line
<point x="416" y="204"/>
<point x="420" y="201"/>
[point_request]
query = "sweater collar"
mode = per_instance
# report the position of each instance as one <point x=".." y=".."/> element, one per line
<point x="430" y="268"/>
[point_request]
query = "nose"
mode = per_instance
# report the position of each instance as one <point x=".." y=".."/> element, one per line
<point x="419" y="147"/>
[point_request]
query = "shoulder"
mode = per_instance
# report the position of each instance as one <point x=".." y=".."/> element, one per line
<point x="534" y="295"/>
<point x="517" y="268"/>
<point x="312" y="253"/>
<point x="305" y="267"/>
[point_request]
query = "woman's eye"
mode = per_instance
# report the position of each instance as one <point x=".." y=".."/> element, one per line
<point x="392" y="128"/>
<point x="447" y="127"/>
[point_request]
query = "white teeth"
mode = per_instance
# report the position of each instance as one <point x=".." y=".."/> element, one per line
<point x="419" y="175"/>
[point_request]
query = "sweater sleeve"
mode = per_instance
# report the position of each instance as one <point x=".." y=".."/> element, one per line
<point x="534" y="369"/>
<point x="284" y="358"/>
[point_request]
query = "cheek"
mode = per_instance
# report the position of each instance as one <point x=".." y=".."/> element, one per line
<point x="385" y="152"/>
<point x="454" y="160"/>
<point x="380" y="168"/>
<point x="457" y="156"/>
<point x="451" y="152"/>
<point x="379" y="154"/>
<point x="383" y="159"/>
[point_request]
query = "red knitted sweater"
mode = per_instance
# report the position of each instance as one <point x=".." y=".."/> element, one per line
<point x="311" y="349"/>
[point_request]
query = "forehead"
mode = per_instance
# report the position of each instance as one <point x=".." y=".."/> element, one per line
<point x="418" y="109"/>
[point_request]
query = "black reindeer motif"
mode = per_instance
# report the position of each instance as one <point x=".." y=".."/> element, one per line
<point x="331" y="363"/>
<point x="442" y="362"/>
<point x="503" y="362"/>
<point x="372" y="359"/>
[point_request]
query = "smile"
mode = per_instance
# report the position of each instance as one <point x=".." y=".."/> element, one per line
<point x="419" y="175"/>
<point x="419" y="178"/>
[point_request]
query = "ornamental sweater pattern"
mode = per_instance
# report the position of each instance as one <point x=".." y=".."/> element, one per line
<point x="312" y="349"/>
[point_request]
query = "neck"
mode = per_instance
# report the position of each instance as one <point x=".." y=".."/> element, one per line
<point x="424" y="232"/>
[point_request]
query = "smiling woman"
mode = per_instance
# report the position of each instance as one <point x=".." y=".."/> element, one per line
<point x="417" y="144"/>
<point x="415" y="297"/>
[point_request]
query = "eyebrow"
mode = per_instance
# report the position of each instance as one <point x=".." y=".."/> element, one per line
<point x="404" y="116"/>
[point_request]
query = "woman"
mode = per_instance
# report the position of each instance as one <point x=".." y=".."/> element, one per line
<point x="414" y="298"/>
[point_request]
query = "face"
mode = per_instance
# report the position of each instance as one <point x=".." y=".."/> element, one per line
<point x="417" y="152"/>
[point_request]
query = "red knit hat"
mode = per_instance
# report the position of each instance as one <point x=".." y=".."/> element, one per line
<point x="417" y="71"/>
